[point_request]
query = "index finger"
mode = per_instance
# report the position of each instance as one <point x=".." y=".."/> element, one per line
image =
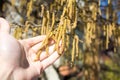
<point x="32" y="41"/>
<point x="52" y="58"/>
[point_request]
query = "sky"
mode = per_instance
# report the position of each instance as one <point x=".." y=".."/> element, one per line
<point x="104" y="3"/>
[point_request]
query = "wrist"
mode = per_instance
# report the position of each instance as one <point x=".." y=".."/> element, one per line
<point x="6" y="72"/>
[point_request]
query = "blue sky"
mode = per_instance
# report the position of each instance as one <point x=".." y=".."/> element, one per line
<point x="104" y="3"/>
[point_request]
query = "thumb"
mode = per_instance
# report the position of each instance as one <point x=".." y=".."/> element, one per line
<point x="4" y="26"/>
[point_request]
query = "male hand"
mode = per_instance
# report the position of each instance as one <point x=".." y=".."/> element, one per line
<point x="17" y="56"/>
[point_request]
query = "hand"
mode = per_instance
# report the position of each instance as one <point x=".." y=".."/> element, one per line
<point x="66" y="70"/>
<point x="17" y="56"/>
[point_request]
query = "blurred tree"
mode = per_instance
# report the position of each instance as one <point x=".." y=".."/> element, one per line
<point x="1" y="7"/>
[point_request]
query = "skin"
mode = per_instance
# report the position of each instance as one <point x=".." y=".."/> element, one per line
<point x="17" y="56"/>
<point x="67" y="70"/>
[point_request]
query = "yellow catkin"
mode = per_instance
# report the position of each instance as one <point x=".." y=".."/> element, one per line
<point x="58" y="40"/>
<point x="92" y="30"/>
<point x="99" y="11"/>
<point x="18" y="33"/>
<point x="62" y="1"/>
<point x="99" y="7"/>
<point x="53" y="20"/>
<point x="94" y="12"/>
<point x="107" y="13"/>
<point x="63" y="36"/>
<point x="43" y="25"/>
<point x="69" y="26"/>
<point x="61" y="33"/>
<point x="109" y="1"/>
<point x="99" y="2"/>
<point x="63" y="13"/>
<point x="34" y="29"/>
<point x="46" y="41"/>
<point x="13" y="2"/>
<point x="88" y="33"/>
<point x="15" y="34"/>
<point x="69" y="3"/>
<point x="75" y="22"/>
<point x="67" y="42"/>
<point x="44" y="45"/>
<point x="110" y="30"/>
<point x="70" y="7"/>
<point x="27" y="26"/>
<point x="73" y="51"/>
<point x="107" y="37"/>
<point x="77" y="45"/>
<point x="94" y="27"/>
<point x="57" y="33"/>
<point x="38" y="55"/>
<point x="51" y="7"/>
<point x="58" y="7"/>
<point x="43" y="10"/>
<point x="29" y="7"/>
<point x="48" y="21"/>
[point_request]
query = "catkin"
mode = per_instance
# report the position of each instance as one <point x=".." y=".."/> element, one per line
<point x="107" y="37"/>
<point x="75" y="22"/>
<point x="42" y="10"/>
<point x="53" y="20"/>
<point x="43" y="25"/>
<point x="18" y="33"/>
<point x="77" y="45"/>
<point x="73" y="51"/>
<point x="13" y="2"/>
<point x="107" y="13"/>
<point x="63" y="36"/>
<point x="27" y="26"/>
<point x="29" y="7"/>
<point x="44" y="45"/>
<point x="48" y="21"/>
<point x="34" y="30"/>
<point x="58" y="39"/>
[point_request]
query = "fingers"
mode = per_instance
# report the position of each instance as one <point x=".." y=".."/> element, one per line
<point x="43" y="54"/>
<point x="37" y="46"/>
<point x="4" y="26"/>
<point x="45" y="60"/>
<point x="34" y="40"/>
<point x="50" y="60"/>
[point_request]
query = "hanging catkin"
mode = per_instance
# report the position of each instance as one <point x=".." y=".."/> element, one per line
<point x="73" y="51"/>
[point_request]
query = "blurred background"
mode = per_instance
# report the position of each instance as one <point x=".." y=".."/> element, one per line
<point x="96" y="53"/>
